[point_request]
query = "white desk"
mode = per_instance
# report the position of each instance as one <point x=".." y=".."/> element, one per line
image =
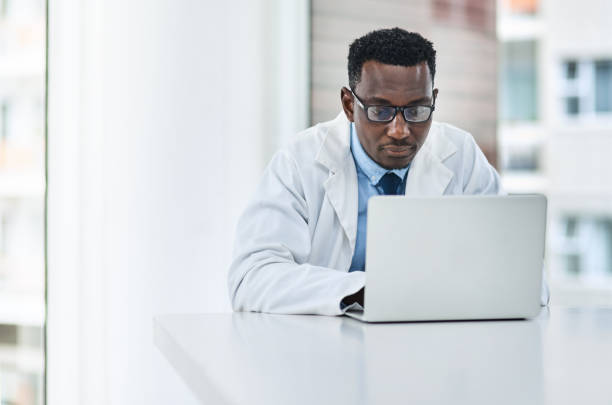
<point x="562" y="357"/>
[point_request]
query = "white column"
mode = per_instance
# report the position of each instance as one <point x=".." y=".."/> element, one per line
<point x="161" y="119"/>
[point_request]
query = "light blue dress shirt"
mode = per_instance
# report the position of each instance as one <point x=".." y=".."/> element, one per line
<point x="369" y="174"/>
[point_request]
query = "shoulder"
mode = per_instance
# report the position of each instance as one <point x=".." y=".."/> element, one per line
<point x="445" y="139"/>
<point x="306" y="142"/>
<point x="297" y="164"/>
<point x="448" y="142"/>
<point x="309" y="140"/>
<point x="452" y="132"/>
<point x="459" y="152"/>
<point x="322" y="143"/>
<point x="297" y="156"/>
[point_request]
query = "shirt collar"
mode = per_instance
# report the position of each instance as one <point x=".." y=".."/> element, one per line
<point x="369" y="167"/>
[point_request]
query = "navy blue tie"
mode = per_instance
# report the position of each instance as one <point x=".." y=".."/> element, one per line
<point x="390" y="183"/>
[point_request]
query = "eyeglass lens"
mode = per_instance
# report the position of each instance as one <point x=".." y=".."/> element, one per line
<point x="387" y="113"/>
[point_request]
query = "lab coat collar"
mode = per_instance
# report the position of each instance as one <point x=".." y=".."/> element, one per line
<point x="428" y="176"/>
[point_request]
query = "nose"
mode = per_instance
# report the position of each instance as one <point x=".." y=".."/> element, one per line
<point x="398" y="128"/>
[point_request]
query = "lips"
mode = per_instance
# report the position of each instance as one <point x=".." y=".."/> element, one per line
<point x="399" y="151"/>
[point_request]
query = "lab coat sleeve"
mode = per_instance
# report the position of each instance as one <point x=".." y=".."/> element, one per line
<point x="269" y="271"/>
<point x="484" y="179"/>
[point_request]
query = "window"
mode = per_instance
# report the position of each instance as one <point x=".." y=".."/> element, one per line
<point x="570" y="69"/>
<point x="603" y="86"/>
<point x="518" y="90"/>
<point x="22" y="93"/>
<point x="4" y="7"/>
<point x="585" y="246"/>
<point x="572" y="105"/>
<point x="522" y="158"/>
<point x="586" y="88"/>
<point x="4" y="125"/>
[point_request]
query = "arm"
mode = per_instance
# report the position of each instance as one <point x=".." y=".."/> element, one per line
<point x="269" y="271"/>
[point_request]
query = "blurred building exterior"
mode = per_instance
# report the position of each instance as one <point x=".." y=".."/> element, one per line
<point x="555" y="133"/>
<point x="463" y="33"/>
<point x="22" y="120"/>
<point x="533" y="89"/>
<point x="550" y="132"/>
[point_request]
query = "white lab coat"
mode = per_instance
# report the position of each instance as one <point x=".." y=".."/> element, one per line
<point x="295" y="240"/>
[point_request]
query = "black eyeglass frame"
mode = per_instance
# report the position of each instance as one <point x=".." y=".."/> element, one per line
<point x="403" y="109"/>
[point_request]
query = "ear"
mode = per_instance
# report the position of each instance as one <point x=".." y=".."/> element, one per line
<point x="435" y="95"/>
<point x="348" y="104"/>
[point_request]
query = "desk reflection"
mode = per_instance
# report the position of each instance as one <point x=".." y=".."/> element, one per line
<point x="299" y="350"/>
<point x="347" y="361"/>
<point x="487" y="362"/>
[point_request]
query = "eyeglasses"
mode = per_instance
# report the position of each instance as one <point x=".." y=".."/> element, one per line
<point x="386" y="113"/>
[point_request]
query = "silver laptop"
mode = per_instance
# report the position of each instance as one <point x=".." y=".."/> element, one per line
<point x="453" y="258"/>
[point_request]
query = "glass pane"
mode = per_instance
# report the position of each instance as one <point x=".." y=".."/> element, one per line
<point x="518" y="90"/>
<point x="572" y="105"/>
<point x="571" y="69"/>
<point x="588" y="242"/>
<point x="22" y="123"/>
<point x="523" y="159"/>
<point x="603" y="86"/>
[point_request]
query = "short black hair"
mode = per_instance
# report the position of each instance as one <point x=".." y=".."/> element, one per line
<point x="393" y="46"/>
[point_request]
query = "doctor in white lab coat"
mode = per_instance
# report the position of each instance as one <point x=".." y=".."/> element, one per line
<point x="296" y="239"/>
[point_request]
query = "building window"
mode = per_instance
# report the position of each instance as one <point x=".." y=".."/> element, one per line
<point x="586" y="87"/>
<point x="518" y="92"/>
<point x="585" y="246"/>
<point x="572" y="105"/>
<point x="4" y="118"/>
<point x="22" y="145"/>
<point x="4" y="8"/>
<point x="603" y="86"/>
<point x="522" y="158"/>
<point x="570" y="69"/>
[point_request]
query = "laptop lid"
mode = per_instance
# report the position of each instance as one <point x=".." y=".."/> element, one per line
<point x="454" y="257"/>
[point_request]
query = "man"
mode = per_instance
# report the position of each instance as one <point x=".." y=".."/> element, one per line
<point x="300" y="244"/>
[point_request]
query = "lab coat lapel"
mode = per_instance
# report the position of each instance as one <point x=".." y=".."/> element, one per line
<point x="428" y="176"/>
<point x="341" y="186"/>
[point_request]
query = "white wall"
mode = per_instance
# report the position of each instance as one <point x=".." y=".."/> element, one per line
<point x="579" y="28"/>
<point x="162" y="115"/>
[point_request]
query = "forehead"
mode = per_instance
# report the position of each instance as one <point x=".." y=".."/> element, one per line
<point x="400" y="84"/>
